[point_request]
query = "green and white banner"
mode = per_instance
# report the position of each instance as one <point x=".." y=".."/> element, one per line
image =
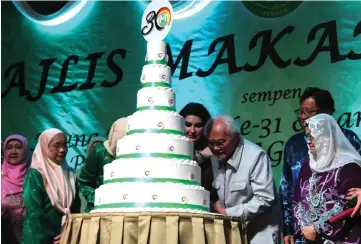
<point x="250" y="60"/>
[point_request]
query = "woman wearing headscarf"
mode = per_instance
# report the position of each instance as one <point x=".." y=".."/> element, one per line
<point x="195" y="117"/>
<point x="49" y="190"/>
<point x="15" y="165"/>
<point x="91" y="175"/>
<point x="334" y="167"/>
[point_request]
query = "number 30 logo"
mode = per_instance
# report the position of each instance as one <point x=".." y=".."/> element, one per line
<point x="157" y="20"/>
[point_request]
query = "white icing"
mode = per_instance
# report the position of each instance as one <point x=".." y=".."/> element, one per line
<point x="156" y="73"/>
<point x="153" y="119"/>
<point x="140" y="193"/>
<point x="155" y="143"/>
<point x="153" y="168"/>
<point x="156" y="50"/>
<point x="156" y="96"/>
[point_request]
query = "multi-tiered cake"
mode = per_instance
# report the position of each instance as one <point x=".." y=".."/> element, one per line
<point x="153" y="170"/>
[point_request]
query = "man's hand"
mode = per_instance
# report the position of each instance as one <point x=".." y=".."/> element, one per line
<point x="351" y="194"/>
<point x="217" y="206"/>
<point x="288" y="239"/>
<point x="309" y="233"/>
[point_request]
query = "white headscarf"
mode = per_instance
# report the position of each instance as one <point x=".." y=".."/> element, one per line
<point x="58" y="179"/>
<point x="333" y="150"/>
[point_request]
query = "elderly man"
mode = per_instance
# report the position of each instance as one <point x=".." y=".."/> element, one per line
<point x="244" y="181"/>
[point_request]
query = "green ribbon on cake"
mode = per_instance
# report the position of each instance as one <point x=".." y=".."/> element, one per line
<point x="162" y="61"/>
<point x="152" y="205"/>
<point x="153" y="180"/>
<point x="157" y="131"/>
<point x="156" y="84"/>
<point x="156" y="108"/>
<point x="154" y="155"/>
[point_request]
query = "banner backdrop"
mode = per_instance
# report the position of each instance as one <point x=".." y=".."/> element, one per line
<point x="250" y="60"/>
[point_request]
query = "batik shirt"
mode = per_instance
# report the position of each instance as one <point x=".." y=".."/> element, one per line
<point x="295" y="153"/>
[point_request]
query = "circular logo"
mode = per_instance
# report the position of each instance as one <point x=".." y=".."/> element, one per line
<point x="137" y="147"/>
<point x="271" y="9"/>
<point x="125" y="196"/>
<point x="155" y="197"/>
<point x="147" y="173"/>
<point x="157" y="20"/>
<point x="150" y="100"/>
<point x="171" y="148"/>
<point x="111" y="174"/>
<point x="184" y="199"/>
<point x="163" y="77"/>
<point x="161" y="125"/>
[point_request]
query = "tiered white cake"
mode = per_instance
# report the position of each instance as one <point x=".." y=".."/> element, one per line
<point x="154" y="170"/>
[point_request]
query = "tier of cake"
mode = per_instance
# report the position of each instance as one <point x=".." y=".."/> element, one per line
<point x="156" y="98"/>
<point x="153" y="170"/>
<point x="156" y="53"/>
<point x="156" y="75"/>
<point x="139" y="196"/>
<point x="156" y="122"/>
<point x="152" y="145"/>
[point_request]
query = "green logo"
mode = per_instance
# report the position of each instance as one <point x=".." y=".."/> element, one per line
<point x="162" y="20"/>
<point x="271" y="9"/>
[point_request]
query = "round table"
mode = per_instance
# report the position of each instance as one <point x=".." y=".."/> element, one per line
<point x="153" y="228"/>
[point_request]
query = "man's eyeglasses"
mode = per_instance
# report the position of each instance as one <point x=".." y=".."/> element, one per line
<point x="216" y="143"/>
<point x="308" y="113"/>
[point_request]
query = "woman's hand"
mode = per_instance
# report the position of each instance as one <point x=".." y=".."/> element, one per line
<point x="57" y="239"/>
<point x="351" y="194"/>
<point x="217" y="206"/>
<point x="309" y="233"/>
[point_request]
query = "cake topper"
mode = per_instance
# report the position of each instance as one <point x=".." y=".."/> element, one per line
<point x="157" y="20"/>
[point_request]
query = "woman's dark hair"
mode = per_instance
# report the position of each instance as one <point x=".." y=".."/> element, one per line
<point x="323" y="99"/>
<point x="196" y="109"/>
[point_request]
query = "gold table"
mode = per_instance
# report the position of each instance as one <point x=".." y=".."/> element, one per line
<point x="153" y="228"/>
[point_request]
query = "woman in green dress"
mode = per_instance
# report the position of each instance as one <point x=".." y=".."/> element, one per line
<point x="49" y="190"/>
<point x="91" y="175"/>
<point x="91" y="147"/>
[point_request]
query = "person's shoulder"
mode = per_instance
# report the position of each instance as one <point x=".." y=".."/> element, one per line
<point x="348" y="133"/>
<point x="252" y="147"/>
<point x="32" y="172"/>
<point x="351" y="167"/>
<point x="100" y="147"/>
<point x="33" y="175"/>
<point x="295" y="138"/>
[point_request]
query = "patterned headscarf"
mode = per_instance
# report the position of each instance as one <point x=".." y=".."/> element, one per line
<point x="333" y="150"/>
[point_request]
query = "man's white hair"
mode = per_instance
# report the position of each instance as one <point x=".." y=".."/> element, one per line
<point x="227" y="120"/>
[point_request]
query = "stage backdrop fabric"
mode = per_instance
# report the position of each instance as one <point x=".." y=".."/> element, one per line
<point x="250" y="60"/>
